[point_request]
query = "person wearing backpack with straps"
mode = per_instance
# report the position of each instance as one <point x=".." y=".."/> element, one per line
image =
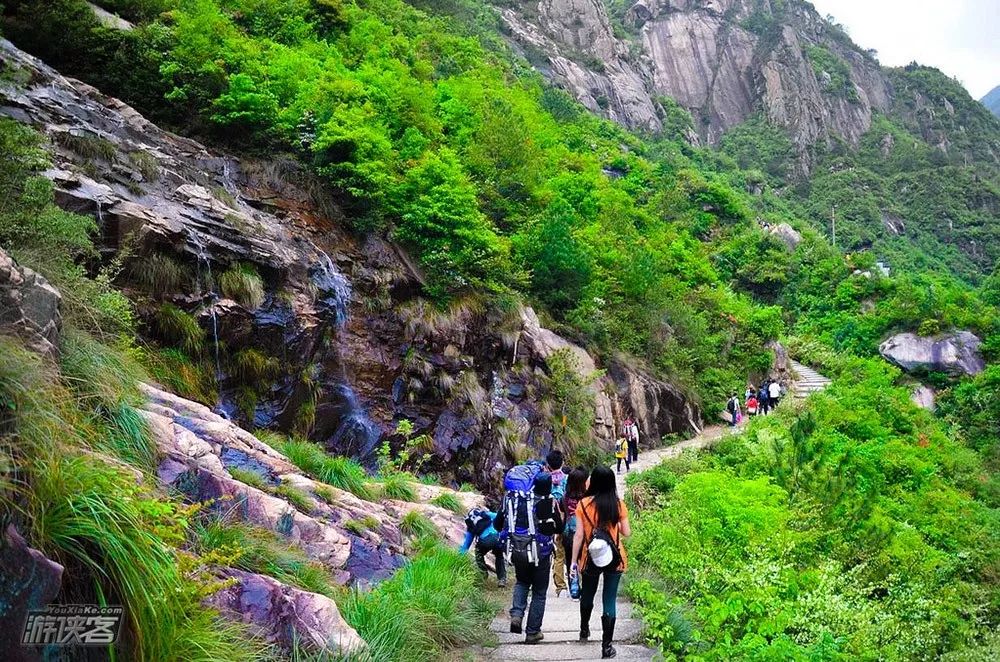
<point x="527" y="520"/>
<point x="602" y="522"/>
<point x="479" y="529"/>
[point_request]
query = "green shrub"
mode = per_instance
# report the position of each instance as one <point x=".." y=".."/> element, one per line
<point x="254" y="368"/>
<point x="243" y="284"/>
<point x="190" y="379"/>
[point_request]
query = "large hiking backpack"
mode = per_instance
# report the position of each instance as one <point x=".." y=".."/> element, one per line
<point x="525" y="543"/>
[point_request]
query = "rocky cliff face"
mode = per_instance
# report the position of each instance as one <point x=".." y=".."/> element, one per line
<point x="723" y="60"/>
<point x="348" y="344"/>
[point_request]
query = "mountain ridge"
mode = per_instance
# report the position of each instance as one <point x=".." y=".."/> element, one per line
<point x="992" y="101"/>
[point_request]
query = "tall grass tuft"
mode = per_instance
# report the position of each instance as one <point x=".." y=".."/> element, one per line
<point x="248" y="477"/>
<point x="179" y="328"/>
<point x="340" y="472"/>
<point x="158" y="274"/>
<point x="399" y="486"/>
<point x="118" y="537"/>
<point x="243" y="284"/>
<point x="187" y="378"/>
<point x="418" y="525"/>
<point x="432" y="605"/>
<point x="104" y="380"/>
<point x="448" y="501"/>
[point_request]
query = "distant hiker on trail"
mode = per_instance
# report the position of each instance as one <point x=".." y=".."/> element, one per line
<point x="553" y="464"/>
<point x="479" y="529"/>
<point x="632" y="437"/>
<point x="527" y="520"/>
<point x="576" y="488"/>
<point x="764" y="400"/>
<point x="602" y="522"/>
<point x="752" y="404"/>
<point x="621" y="453"/>
<point x="774" y="393"/>
<point x="733" y="409"/>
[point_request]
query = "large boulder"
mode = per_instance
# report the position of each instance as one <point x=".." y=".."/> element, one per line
<point x="28" y="580"/>
<point x="787" y="235"/>
<point x="954" y="353"/>
<point x="657" y="407"/>
<point x="29" y="306"/>
<point x="286" y="615"/>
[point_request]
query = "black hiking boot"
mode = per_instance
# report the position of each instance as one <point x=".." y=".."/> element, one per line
<point x="608" y="627"/>
<point x="515" y="624"/>
<point x="534" y="638"/>
<point x="585" y="623"/>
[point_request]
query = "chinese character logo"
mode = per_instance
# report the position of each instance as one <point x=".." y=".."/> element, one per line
<point x="72" y="625"/>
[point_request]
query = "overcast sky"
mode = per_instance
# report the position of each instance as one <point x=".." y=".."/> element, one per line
<point x="959" y="37"/>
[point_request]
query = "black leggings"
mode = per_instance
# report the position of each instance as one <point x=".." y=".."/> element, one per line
<point x="628" y="465"/>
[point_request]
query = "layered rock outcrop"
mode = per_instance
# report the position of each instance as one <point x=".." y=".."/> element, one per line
<point x="954" y="353"/>
<point x="29" y="306"/>
<point x="286" y="615"/>
<point x="723" y="60"/>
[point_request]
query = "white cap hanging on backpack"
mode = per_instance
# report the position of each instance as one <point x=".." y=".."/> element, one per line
<point x="599" y="552"/>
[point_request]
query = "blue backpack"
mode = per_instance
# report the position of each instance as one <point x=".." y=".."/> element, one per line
<point x="524" y="541"/>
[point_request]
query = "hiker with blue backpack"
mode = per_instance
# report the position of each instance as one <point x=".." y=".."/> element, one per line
<point x="553" y="465"/>
<point x="602" y="522"/>
<point x="479" y="529"/>
<point x="527" y="520"/>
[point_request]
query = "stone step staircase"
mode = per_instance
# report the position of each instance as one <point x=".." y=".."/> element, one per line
<point x="807" y="381"/>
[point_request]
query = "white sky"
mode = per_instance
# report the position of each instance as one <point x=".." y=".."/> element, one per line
<point x="959" y="37"/>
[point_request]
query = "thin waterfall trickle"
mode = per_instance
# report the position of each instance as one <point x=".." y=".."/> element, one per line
<point x="357" y="434"/>
<point x="208" y="283"/>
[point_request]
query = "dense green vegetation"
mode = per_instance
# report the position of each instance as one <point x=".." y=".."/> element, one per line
<point x="854" y="528"/>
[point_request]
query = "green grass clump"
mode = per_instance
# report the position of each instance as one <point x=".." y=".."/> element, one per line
<point x="158" y="274"/>
<point x="179" y="328"/>
<point x="428" y="608"/>
<point x="399" y="486"/>
<point x="294" y="496"/>
<point x="325" y="494"/>
<point x="251" y="366"/>
<point x="341" y="472"/>
<point x="191" y="379"/>
<point x="88" y="146"/>
<point x="356" y="527"/>
<point x="251" y="478"/>
<point x="243" y="284"/>
<point x="417" y="524"/>
<point x="448" y="502"/>
<point x="261" y="551"/>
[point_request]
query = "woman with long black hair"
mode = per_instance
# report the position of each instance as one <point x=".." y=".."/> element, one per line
<point x="602" y="522"/>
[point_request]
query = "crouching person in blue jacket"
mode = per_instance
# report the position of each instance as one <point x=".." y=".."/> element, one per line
<point x="479" y="530"/>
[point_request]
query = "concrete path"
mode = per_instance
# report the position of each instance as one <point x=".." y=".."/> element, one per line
<point x="561" y="625"/>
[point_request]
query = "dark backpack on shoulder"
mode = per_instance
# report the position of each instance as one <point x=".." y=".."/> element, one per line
<point x="477" y="521"/>
<point x="603" y="536"/>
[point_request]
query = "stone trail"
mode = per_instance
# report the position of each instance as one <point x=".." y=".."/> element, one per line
<point x="561" y="626"/>
<point x="807" y="381"/>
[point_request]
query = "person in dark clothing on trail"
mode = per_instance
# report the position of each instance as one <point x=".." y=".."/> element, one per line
<point x="576" y="488"/>
<point x="487" y="541"/>
<point x="763" y="400"/>
<point x="531" y="554"/>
